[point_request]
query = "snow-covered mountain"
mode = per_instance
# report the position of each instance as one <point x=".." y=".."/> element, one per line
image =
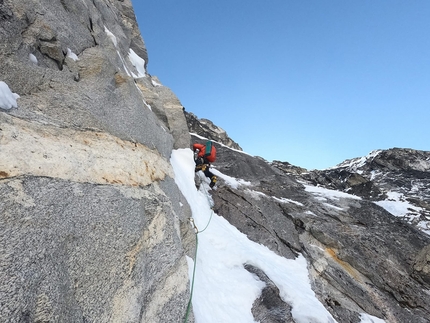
<point x="103" y="219"/>
<point x="396" y="179"/>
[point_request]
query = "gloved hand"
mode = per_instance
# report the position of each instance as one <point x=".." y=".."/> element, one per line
<point x="201" y="167"/>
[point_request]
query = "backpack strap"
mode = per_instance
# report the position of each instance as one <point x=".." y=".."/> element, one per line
<point x="208" y="148"/>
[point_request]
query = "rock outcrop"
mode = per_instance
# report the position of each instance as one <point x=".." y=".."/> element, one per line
<point x="92" y="223"/>
<point x="385" y="176"/>
<point x="207" y="129"/>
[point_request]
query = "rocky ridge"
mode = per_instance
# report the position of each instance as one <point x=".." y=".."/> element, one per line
<point x="386" y="177"/>
<point x="207" y="129"/>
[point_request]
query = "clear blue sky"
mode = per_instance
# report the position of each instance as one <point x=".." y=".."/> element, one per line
<point x="308" y="82"/>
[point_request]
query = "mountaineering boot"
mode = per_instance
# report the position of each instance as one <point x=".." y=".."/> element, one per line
<point x="213" y="181"/>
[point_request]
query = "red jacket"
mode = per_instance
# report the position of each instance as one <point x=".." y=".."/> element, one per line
<point x="202" y="152"/>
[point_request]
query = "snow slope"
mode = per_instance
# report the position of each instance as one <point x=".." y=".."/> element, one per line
<point x="7" y="97"/>
<point x="224" y="291"/>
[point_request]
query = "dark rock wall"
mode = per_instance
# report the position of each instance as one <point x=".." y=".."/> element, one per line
<point x="362" y="259"/>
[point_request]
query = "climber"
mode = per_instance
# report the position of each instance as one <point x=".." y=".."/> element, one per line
<point x="206" y="154"/>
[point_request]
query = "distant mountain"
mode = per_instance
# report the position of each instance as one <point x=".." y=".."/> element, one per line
<point x="398" y="179"/>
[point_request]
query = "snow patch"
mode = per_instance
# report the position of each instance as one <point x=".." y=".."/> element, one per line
<point x="421" y="165"/>
<point x="285" y="200"/>
<point x="374" y="174"/>
<point x="366" y="318"/>
<point x="230" y="181"/>
<point x="72" y="55"/>
<point x="310" y="213"/>
<point x="333" y="206"/>
<point x="424" y="226"/>
<point x="255" y="194"/>
<point x="322" y="193"/>
<point x="115" y="42"/>
<point x="111" y="36"/>
<point x="355" y="163"/>
<point x="396" y="204"/>
<point x="33" y="59"/>
<point x="155" y="83"/>
<point x="7" y="97"/>
<point x="138" y="63"/>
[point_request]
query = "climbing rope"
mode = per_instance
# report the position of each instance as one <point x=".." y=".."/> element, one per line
<point x="212" y="212"/>
<point x="196" y="230"/>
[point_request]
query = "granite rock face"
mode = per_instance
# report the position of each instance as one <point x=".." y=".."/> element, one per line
<point x="91" y="222"/>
